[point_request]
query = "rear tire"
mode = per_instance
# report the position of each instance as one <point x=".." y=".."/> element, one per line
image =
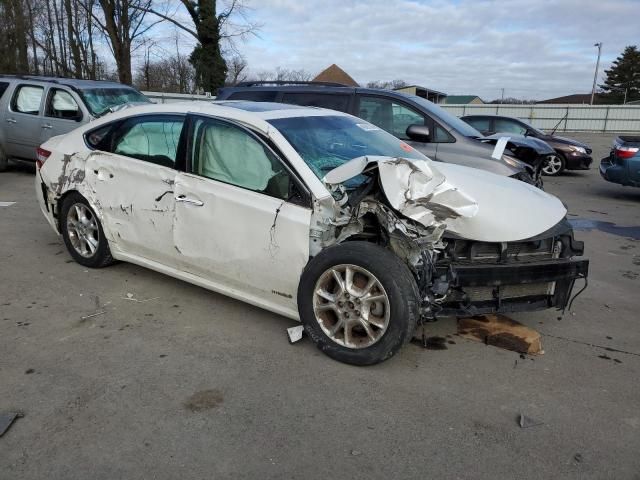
<point x="359" y="302"/>
<point x="554" y="165"/>
<point x="82" y="233"/>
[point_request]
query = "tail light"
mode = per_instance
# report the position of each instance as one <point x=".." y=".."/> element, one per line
<point x="42" y="155"/>
<point x="625" y="152"/>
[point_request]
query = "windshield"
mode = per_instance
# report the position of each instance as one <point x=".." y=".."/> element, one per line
<point x="100" y="100"/>
<point x="448" y="119"/>
<point x="326" y="142"/>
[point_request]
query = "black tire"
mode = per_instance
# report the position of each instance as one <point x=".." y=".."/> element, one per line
<point x="4" y="161"/>
<point x="398" y="283"/>
<point x="101" y="257"/>
<point x="559" y="165"/>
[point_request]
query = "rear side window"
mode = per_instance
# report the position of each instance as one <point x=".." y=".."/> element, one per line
<point x="509" y="126"/>
<point x="27" y="99"/>
<point x="254" y="95"/>
<point x="324" y="100"/>
<point x="61" y="104"/>
<point x="479" y="123"/>
<point x="3" y="88"/>
<point x="151" y="139"/>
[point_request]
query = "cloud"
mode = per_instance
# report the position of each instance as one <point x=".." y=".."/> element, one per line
<point x="532" y="48"/>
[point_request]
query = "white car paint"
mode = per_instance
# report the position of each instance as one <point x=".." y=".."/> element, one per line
<point x="245" y="244"/>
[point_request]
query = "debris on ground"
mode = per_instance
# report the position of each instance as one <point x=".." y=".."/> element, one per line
<point x="295" y="333"/>
<point x="501" y="331"/>
<point x="132" y="298"/>
<point x="7" y="419"/>
<point x="526" y="422"/>
<point x="431" y="343"/>
<point x="86" y="317"/>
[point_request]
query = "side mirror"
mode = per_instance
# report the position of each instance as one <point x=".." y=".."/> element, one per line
<point x="419" y="133"/>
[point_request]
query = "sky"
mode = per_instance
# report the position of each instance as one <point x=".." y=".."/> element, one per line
<point x="534" y="49"/>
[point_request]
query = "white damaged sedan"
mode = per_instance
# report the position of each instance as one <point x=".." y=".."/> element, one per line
<point x="310" y="213"/>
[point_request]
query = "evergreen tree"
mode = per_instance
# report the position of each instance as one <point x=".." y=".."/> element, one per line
<point x="623" y="76"/>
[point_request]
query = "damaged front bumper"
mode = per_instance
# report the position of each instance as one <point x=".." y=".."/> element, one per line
<point x="481" y="289"/>
<point x="537" y="274"/>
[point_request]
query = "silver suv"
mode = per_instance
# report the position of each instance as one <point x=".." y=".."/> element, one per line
<point x="34" y="109"/>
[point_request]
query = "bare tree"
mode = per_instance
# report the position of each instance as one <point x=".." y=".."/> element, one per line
<point x="210" y="29"/>
<point x="236" y="70"/>
<point x="284" y="75"/>
<point x="388" y="85"/>
<point x="123" y="23"/>
<point x="13" y="33"/>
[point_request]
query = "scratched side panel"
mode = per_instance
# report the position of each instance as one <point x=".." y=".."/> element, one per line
<point x="246" y="240"/>
<point x="136" y="202"/>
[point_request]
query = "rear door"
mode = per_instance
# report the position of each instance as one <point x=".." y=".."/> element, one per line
<point x="131" y="175"/>
<point x="62" y="113"/>
<point x="23" y="121"/>
<point x="239" y="221"/>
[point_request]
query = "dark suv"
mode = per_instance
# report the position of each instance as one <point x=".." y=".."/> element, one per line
<point x="570" y="154"/>
<point x="439" y="135"/>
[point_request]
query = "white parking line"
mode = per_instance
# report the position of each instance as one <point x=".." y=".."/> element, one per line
<point x="6" y="204"/>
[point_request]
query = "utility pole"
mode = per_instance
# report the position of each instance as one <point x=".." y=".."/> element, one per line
<point x="502" y="97"/>
<point x="595" y="75"/>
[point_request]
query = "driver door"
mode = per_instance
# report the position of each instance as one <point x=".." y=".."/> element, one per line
<point x="239" y="221"/>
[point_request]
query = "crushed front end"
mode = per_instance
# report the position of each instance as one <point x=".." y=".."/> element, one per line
<point x="472" y="249"/>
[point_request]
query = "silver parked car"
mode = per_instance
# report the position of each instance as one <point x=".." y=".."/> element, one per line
<point x="34" y="109"/>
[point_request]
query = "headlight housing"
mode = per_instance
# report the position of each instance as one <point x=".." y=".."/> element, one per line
<point x="578" y="149"/>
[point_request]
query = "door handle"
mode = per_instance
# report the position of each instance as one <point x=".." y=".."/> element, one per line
<point x="192" y="201"/>
<point x="11" y="120"/>
<point x="47" y="126"/>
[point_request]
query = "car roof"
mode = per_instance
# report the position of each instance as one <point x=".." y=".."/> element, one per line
<point x="258" y="111"/>
<point x="69" y="82"/>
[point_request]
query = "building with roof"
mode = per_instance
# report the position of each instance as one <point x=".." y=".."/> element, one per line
<point x="576" y="99"/>
<point x="335" y="74"/>
<point x="424" y="92"/>
<point x="463" y="100"/>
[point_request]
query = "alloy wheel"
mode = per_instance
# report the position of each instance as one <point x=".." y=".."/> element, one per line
<point x="351" y="306"/>
<point x="553" y="165"/>
<point x="83" y="231"/>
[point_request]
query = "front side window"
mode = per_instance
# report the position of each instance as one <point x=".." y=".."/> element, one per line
<point x="323" y="100"/>
<point x="61" y="104"/>
<point x="226" y="153"/>
<point x="389" y="115"/>
<point x="326" y="142"/>
<point x="104" y="100"/>
<point x="154" y="140"/>
<point x="509" y="126"/>
<point x="27" y="99"/>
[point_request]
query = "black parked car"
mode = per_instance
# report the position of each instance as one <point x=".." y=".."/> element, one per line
<point x="570" y="154"/>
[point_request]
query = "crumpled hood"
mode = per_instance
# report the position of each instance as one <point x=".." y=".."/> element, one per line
<point x="473" y="204"/>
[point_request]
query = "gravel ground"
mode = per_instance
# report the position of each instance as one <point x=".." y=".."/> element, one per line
<point x="185" y="383"/>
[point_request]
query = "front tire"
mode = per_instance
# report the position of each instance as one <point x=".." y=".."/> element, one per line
<point x="359" y="302"/>
<point x="83" y="234"/>
<point x="554" y="165"/>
